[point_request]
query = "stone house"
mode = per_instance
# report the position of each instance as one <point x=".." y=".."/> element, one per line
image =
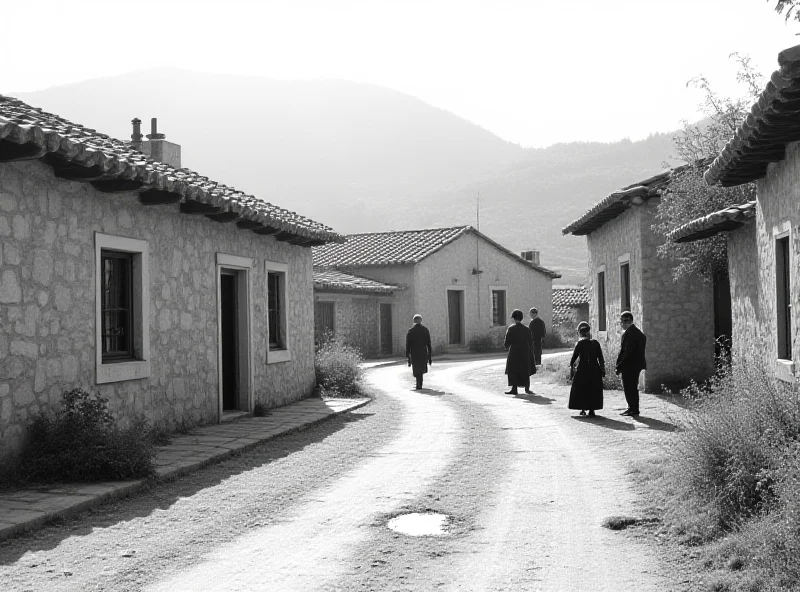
<point x="570" y="306"/>
<point x="625" y="272"/>
<point x="464" y="284"/>
<point x="762" y="236"/>
<point x="355" y="309"/>
<point x="176" y="297"/>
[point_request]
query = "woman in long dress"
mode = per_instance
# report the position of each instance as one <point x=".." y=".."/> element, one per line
<point x="587" y="382"/>
<point x="519" y="362"/>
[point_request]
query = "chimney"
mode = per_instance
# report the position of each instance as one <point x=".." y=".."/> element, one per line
<point x="532" y="256"/>
<point x="156" y="147"/>
<point x="136" y="136"/>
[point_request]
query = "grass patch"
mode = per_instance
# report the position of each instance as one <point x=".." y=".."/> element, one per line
<point x="619" y="522"/>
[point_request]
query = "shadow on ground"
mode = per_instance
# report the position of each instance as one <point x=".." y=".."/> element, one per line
<point x="162" y="495"/>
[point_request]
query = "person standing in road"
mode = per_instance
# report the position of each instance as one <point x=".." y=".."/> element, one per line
<point x="631" y="361"/>
<point x="587" y="380"/>
<point x="418" y="349"/>
<point x="519" y="362"/>
<point x="538" y="330"/>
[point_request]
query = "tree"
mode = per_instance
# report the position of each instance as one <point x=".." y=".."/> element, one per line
<point x="790" y="6"/>
<point x="687" y="196"/>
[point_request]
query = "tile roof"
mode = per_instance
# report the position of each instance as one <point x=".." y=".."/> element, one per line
<point x="567" y="297"/>
<point x="773" y="122"/>
<point x="400" y="247"/>
<point x="619" y="201"/>
<point x="331" y="280"/>
<point x="83" y="154"/>
<point x="729" y="218"/>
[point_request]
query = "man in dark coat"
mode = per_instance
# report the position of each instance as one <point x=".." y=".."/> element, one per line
<point x="418" y="349"/>
<point x="631" y="361"/>
<point x="538" y="330"/>
<point x="519" y="363"/>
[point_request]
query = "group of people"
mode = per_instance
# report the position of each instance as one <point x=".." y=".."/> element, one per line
<point x="524" y="345"/>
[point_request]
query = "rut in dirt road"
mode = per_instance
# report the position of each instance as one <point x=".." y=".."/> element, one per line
<point x="309" y="546"/>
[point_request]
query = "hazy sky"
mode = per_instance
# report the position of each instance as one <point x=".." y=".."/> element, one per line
<point x="534" y="72"/>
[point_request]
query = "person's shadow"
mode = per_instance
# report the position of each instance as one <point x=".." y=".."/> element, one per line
<point x="535" y="399"/>
<point x="656" y="424"/>
<point x="605" y="422"/>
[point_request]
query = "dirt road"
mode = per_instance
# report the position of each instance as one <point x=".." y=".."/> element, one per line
<point x="526" y="487"/>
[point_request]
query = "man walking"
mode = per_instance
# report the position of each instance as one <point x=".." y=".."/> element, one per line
<point x="538" y="330"/>
<point x="418" y="349"/>
<point x="631" y="361"/>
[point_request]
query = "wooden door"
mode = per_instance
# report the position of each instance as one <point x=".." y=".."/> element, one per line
<point x="455" y="316"/>
<point x="387" y="344"/>
<point x="228" y="310"/>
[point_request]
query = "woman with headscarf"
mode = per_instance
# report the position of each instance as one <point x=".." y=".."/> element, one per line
<point x="519" y="362"/>
<point x="587" y="382"/>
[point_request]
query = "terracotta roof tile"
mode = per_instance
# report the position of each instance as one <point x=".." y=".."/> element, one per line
<point x="400" y="247"/>
<point x="567" y="297"/>
<point x="773" y="122"/>
<point x="338" y="281"/>
<point x="72" y="145"/>
<point x="729" y="218"/>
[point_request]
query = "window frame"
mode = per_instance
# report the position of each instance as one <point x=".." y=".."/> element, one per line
<point x="282" y="352"/>
<point x="783" y="295"/>
<point x="600" y="299"/>
<point x="137" y="366"/>
<point x="128" y="353"/>
<point x="625" y="301"/>
<point x="500" y="319"/>
<point x="321" y="303"/>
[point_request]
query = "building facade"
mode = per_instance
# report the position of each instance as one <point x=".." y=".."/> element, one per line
<point x="626" y="273"/>
<point x="464" y="284"/>
<point x="179" y="299"/>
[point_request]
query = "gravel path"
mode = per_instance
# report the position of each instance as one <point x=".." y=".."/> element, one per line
<point x="525" y="484"/>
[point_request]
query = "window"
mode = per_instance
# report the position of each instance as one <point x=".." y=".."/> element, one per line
<point x="782" y="291"/>
<point x="278" y="337"/>
<point x="625" y="286"/>
<point x="498" y="307"/>
<point x="323" y="319"/>
<point x="116" y="305"/>
<point x="601" y="301"/>
<point x="122" y="309"/>
<point x="275" y="307"/>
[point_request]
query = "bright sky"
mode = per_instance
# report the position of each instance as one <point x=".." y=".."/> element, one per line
<point x="535" y="72"/>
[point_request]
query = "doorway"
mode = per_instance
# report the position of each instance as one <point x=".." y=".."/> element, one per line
<point x="387" y="340"/>
<point x="455" y="317"/>
<point x="233" y="314"/>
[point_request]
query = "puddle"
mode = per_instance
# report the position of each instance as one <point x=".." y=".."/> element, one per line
<point x="416" y="524"/>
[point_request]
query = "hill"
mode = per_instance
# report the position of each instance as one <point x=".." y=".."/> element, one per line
<point x="362" y="158"/>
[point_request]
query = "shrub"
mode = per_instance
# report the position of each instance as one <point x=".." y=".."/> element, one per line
<point x="259" y="410"/>
<point x="482" y="344"/>
<point x="559" y="336"/>
<point x="338" y="368"/>
<point x="83" y="442"/>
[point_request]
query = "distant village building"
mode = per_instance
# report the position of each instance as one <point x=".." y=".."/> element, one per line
<point x="464" y="284"/>
<point x="570" y="305"/>
<point x="176" y="297"/>
<point x="357" y="310"/>
<point x="625" y="273"/>
<point x="762" y="235"/>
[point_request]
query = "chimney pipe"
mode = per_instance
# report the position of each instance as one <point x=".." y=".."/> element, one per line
<point x="154" y="135"/>
<point x="136" y="136"/>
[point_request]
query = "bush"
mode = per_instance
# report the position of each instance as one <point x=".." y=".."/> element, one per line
<point x="560" y="336"/>
<point x="338" y="368"/>
<point x="482" y="344"/>
<point x="83" y="443"/>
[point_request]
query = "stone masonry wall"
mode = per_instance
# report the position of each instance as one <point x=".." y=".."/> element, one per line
<point x="47" y="304"/>
<point x="753" y="278"/>
<point x="355" y="319"/>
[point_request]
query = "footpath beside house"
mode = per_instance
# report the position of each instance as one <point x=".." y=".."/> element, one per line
<point x="762" y="236"/>
<point x="176" y="297"/>
<point x="355" y="309"/>
<point x="625" y="273"/>
<point x="463" y="283"/>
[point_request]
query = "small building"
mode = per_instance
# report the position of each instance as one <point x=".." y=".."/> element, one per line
<point x="356" y="310"/>
<point x="570" y="305"/>
<point x="176" y="297"/>
<point x="762" y="236"/>
<point x="626" y="273"/>
<point x="464" y="284"/>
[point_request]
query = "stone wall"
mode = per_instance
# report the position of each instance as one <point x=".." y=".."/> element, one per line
<point x="678" y="318"/>
<point x="47" y="304"/>
<point x="753" y="268"/>
<point x="355" y="319"/>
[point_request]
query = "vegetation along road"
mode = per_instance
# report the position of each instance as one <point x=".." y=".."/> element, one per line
<point x="526" y="487"/>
